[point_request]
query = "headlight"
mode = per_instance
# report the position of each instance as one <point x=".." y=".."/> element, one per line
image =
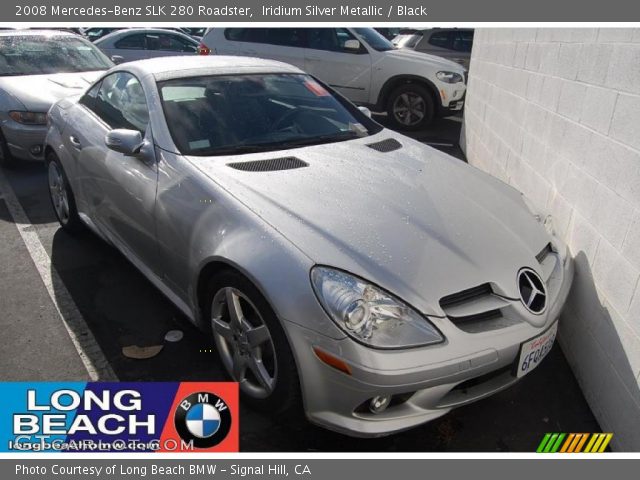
<point x="450" y="77"/>
<point x="369" y="314"/>
<point x="29" y="118"/>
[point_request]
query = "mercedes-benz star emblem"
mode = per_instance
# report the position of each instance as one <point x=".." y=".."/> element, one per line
<point x="532" y="291"/>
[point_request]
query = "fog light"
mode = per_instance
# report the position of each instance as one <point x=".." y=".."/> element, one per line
<point x="380" y="403"/>
<point x="36" y="149"/>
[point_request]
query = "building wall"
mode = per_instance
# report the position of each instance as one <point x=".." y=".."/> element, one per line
<point x="556" y="113"/>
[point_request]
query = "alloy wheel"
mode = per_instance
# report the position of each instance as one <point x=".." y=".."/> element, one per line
<point x="409" y="109"/>
<point x="58" y="192"/>
<point x="244" y="342"/>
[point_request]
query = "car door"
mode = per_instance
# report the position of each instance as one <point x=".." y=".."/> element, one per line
<point x="282" y="44"/>
<point x="348" y="71"/>
<point x="117" y="192"/>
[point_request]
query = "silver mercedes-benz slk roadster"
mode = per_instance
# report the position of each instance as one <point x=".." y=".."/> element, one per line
<point x="379" y="281"/>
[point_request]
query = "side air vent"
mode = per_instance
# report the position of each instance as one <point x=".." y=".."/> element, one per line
<point x="544" y="253"/>
<point x="384" y="146"/>
<point x="476" y="310"/>
<point x="465" y="296"/>
<point x="271" y="165"/>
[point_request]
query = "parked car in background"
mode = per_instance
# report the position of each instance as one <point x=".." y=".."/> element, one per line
<point x="451" y="43"/>
<point x="328" y="258"/>
<point x="38" y="68"/>
<point x="388" y="33"/>
<point x="360" y="64"/>
<point x="140" y="43"/>
<point x="94" y="33"/>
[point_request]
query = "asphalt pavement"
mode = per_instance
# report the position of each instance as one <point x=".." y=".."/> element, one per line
<point x="59" y="291"/>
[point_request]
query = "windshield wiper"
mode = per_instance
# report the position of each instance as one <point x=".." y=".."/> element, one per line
<point x="334" y="137"/>
<point x="264" y="147"/>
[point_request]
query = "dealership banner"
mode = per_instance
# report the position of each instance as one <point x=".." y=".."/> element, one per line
<point x="374" y="13"/>
<point x="307" y="469"/>
<point x="103" y="417"/>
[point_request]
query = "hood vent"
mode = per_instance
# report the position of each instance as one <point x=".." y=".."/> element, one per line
<point x="388" y="145"/>
<point x="271" y="165"/>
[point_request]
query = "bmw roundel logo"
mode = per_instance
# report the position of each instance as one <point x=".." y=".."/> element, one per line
<point x="202" y="418"/>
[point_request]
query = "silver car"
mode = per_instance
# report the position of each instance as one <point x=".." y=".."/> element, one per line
<point x="131" y="44"/>
<point x="37" y="68"/>
<point x="336" y="262"/>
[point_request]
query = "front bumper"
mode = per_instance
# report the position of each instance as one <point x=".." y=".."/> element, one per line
<point x="424" y="383"/>
<point x="25" y="142"/>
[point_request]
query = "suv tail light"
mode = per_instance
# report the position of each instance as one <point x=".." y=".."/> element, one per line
<point x="203" y="49"/>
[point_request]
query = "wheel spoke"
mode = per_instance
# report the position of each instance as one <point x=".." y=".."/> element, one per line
<point x="223" y="329"/>
<point x="64" y="206"/>
<point x="257" y="336"/>
<point x="239" y="367"/>
<point x="261" y="374"/>
<point x="235" y="309"/>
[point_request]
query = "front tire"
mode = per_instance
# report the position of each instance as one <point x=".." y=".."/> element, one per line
<point x="410" y="107"/>
<point x="251" y="344"/>
<point x="62" y="199"/>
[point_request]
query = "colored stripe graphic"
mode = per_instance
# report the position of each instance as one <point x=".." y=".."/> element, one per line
<point x="574" y="442"/>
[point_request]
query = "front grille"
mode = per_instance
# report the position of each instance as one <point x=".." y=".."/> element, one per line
<point x="384" y="146"/>
<point x="270" y="165"/>
<point x="464" y="296"/>
<point x="477" y="310"/>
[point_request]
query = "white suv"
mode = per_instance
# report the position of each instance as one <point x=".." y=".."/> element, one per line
<point x="360" y="63"/>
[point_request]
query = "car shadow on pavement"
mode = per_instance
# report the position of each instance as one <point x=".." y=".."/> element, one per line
<point x="122" y="308"/>
<point x="28" y="181"/>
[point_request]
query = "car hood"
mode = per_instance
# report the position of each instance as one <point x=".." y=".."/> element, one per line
<point x="415" y="221"/>
<point x="38" y="92"/>
<point x="407" y="54"/>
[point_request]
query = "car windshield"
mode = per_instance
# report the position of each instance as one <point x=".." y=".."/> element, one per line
<point x="225" y="114"/>
<point x="44" y="54"/>
<point x="374" y="39"/>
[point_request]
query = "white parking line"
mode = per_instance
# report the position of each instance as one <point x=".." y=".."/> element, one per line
<point x="85" y="343"/>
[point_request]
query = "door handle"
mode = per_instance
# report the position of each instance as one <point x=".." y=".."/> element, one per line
<point x="75" y="142"/>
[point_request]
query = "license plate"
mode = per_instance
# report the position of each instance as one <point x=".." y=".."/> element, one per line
<point x="533" y="351"/>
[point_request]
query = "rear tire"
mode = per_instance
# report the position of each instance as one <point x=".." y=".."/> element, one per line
<point x="6" y="159"/>
<point x="61" y="196"/>
<point x="267" y="371"/>
<point x="410" y="107"/>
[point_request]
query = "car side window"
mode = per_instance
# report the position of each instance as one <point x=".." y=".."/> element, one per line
<point x="131" y="42"/>
<point x="442" y="40"/>
<point x="251" y="35"/>
<point x="121" y="103"/>
<point x="168" y="43"/>
<point x="285" y="37"/>
<point x="329" y="39"/>
<point x="463" y="41"/>
<point x="89" y="98"/>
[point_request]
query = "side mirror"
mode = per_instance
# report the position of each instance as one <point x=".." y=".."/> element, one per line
<point x="127" y="142"/>
<point x="366" y="111"/>
<point x="352" y="45"/>
<point x="117" y="59"/>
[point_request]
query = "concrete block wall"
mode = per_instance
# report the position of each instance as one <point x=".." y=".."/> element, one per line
<point x="556" y="113"/>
